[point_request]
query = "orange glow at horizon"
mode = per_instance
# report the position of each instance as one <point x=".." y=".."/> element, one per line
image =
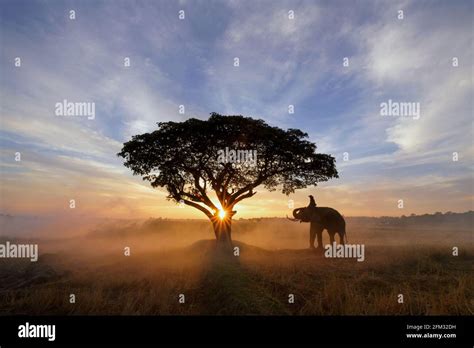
<point x="127" y="199"/>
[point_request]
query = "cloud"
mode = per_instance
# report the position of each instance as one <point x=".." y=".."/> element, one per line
<point x="282" y="62"/>
<point x="407" y="65"/>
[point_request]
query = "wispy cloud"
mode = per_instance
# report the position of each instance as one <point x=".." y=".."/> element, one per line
<point x="283" y="61"/>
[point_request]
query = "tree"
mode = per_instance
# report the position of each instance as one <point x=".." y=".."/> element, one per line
<point x="227" y="155"/>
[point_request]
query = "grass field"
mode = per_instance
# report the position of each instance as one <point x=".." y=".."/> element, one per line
<point x="258" y="282"/>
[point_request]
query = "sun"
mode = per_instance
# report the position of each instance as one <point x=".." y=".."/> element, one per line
<point x="222" y="214"/>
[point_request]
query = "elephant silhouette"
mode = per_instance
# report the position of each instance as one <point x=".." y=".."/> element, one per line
<point x="320" y="219"/>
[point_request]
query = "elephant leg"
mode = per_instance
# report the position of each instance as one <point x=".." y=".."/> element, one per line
<point x="320" y="238"/>
<point x="316" y="230"/>
<point x="331" y="237"/>
<point x="341" y="238"/>
<point x="312" y="235"/>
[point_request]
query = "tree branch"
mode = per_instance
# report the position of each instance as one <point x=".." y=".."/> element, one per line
<point x="205" y="198"/>
<point x="200" y="207"/>
<point x="247" y="195"/>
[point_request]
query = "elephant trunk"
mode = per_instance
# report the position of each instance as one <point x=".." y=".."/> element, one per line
<point x="294" y="220"/>
<point x="300" y="214"/>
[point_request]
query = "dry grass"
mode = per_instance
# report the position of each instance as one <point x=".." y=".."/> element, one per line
<point x="256" y="283"/>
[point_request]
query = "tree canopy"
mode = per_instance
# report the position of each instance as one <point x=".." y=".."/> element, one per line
<point x="185" y="158"/>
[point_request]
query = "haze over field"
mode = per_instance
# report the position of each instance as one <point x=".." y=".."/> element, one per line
<point x="412" y="256"/>
<point x="268" y="233"/>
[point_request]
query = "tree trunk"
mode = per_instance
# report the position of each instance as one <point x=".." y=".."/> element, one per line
<point x="222" y="230"/>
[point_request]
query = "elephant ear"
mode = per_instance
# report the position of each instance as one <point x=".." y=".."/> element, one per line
<point x="314" y="215"/>
<point x="306" y="215"/>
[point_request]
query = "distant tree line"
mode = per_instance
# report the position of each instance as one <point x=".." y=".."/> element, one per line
<point x="430" y="220"/>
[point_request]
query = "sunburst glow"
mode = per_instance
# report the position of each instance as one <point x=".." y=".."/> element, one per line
<point x="222" y="214"/>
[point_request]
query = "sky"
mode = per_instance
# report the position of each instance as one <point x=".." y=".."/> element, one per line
<point x="282" y="61"/>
